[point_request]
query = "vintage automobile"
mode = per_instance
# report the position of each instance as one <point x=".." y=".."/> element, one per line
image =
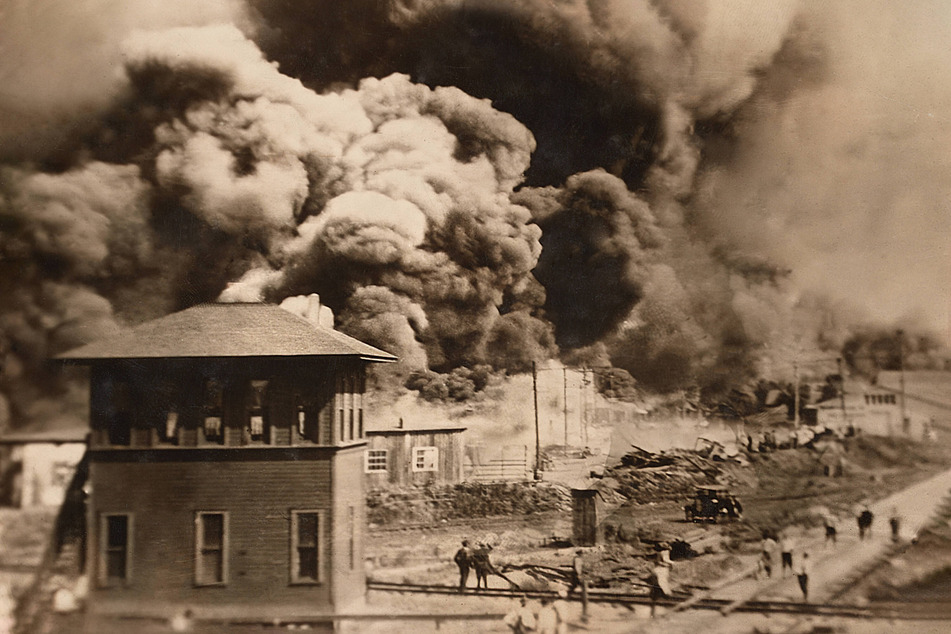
<point x="713" y="504"/>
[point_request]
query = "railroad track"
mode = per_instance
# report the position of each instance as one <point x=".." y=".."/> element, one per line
<point x="913" y="611"/>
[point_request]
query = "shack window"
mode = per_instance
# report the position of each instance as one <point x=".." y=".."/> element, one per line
<point x="425" y="458"/>
<point x="306" y="546"/>
<point x="211" y="548"/>
<point x="375" y="460"/>
<point x="115" y="531"/>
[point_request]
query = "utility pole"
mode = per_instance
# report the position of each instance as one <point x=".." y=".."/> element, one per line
<point x="565" y="399"/>
<point x="796" y="394"/>
<point x="538" y="448"/>
<point x="905" y="426"/>
<point x="583" y="392"/>
<point x="797" y="398"/>
<point x="838" y="363"/>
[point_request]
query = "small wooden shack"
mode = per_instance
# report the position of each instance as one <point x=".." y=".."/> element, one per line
<point x="413" y="456"/>
<point x="586" y="517"/>
<point x="37" y="464"/>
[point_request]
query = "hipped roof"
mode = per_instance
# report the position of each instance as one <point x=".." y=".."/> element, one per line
<point x="227" y="331"/>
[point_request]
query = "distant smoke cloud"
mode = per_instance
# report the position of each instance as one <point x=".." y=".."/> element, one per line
<point x="673" y="186"/>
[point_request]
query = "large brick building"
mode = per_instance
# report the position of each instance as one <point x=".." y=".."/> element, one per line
<point x="226" y="462"/>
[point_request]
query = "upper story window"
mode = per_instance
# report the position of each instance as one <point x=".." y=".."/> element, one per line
<point x="348" y="401"/>
<point x="425" y="458"/>
<point x="212" y="406"/>
<point x="257" y="408"/>
<point x="120" y="419"/>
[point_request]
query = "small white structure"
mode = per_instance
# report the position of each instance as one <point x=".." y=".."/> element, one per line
<point x="870" y="409"/>
<point x="37" y="466"/>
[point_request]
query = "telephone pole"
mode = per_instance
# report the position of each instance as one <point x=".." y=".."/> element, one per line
<point x="796" y="393"/>
<point x="905" y="426"/>
<point x="538" y="449"/>
<point x="565" y="399"/>
<point x="583" y="397"/>
<point x="838" y="363"/>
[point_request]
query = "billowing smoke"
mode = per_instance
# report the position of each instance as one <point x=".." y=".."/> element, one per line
<point x="596" y="237"/>
<point x="672" y="187"/>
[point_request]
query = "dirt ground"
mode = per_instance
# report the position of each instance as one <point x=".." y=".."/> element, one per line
<point x="780" y="490"/>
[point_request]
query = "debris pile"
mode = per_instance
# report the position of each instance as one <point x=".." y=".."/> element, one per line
<point x="669" y="475"/>
<point x="467" y="500"/>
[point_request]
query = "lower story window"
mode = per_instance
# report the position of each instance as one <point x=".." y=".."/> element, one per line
<point x="306" y="546"/>
<point x="115" y="530"/>
<point x="211" y="548"/>
<point x="375" y="460"/>
<point x="425" y="458"/>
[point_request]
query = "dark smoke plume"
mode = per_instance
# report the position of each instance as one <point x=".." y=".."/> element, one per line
<point x="664" y="186"/>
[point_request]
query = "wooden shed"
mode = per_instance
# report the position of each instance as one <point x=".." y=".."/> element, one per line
<point x="402" y="456"/>
<point x="37" y="464"/>
<point x="226" y="466"/>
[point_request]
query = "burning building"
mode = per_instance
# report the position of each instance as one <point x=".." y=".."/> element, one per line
<point x="226" y="465"/>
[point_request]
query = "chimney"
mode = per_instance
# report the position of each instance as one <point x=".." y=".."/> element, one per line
<point x="311" y="309"/>
<point x="318" y="313"/>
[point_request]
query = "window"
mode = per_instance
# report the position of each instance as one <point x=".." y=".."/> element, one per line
<point x="375" y="460"/>
<point x="425" y="458"/>
<point x="120" y="421"/>
<point x="115" y="530"/>
<point x="214" y="395"/>
<point x="307" y="546"/>
<point x="211" y="548"/>
<point x="171" y="426"/>
<point x="257" y="409"/>
<point x="349" y="405"/>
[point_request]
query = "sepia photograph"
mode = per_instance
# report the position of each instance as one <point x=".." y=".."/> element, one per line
<point x="456" y="316"/>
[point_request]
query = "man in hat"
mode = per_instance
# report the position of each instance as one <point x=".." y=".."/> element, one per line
<point x="463" y="559"/>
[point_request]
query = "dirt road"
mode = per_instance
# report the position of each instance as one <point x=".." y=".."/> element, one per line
<point x="833" y="567"/>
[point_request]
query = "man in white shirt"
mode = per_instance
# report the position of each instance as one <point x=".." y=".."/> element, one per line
<point x="802" y="575"/>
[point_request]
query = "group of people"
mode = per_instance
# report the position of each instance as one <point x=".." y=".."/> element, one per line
<point x="785" y="549"/>
<point x="550" y="617"/>
<point x="477" y="559"/>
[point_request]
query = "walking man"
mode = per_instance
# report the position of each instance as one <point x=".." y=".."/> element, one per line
<point x="865" y="522"/>
<point x="786" y="550"/>
<point x="895" y="522"/>
<point x="577" y="571"/>
<point x="480" y="561"/>
<point x="463" y="559"/>
<point x="561" y="610"/>
<point x="802" y="575"/>
<point x="769" y="554"/>
<point x="829" y="522"/>
<point x="521" y="619"/>
<point x="547" y="620"/>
